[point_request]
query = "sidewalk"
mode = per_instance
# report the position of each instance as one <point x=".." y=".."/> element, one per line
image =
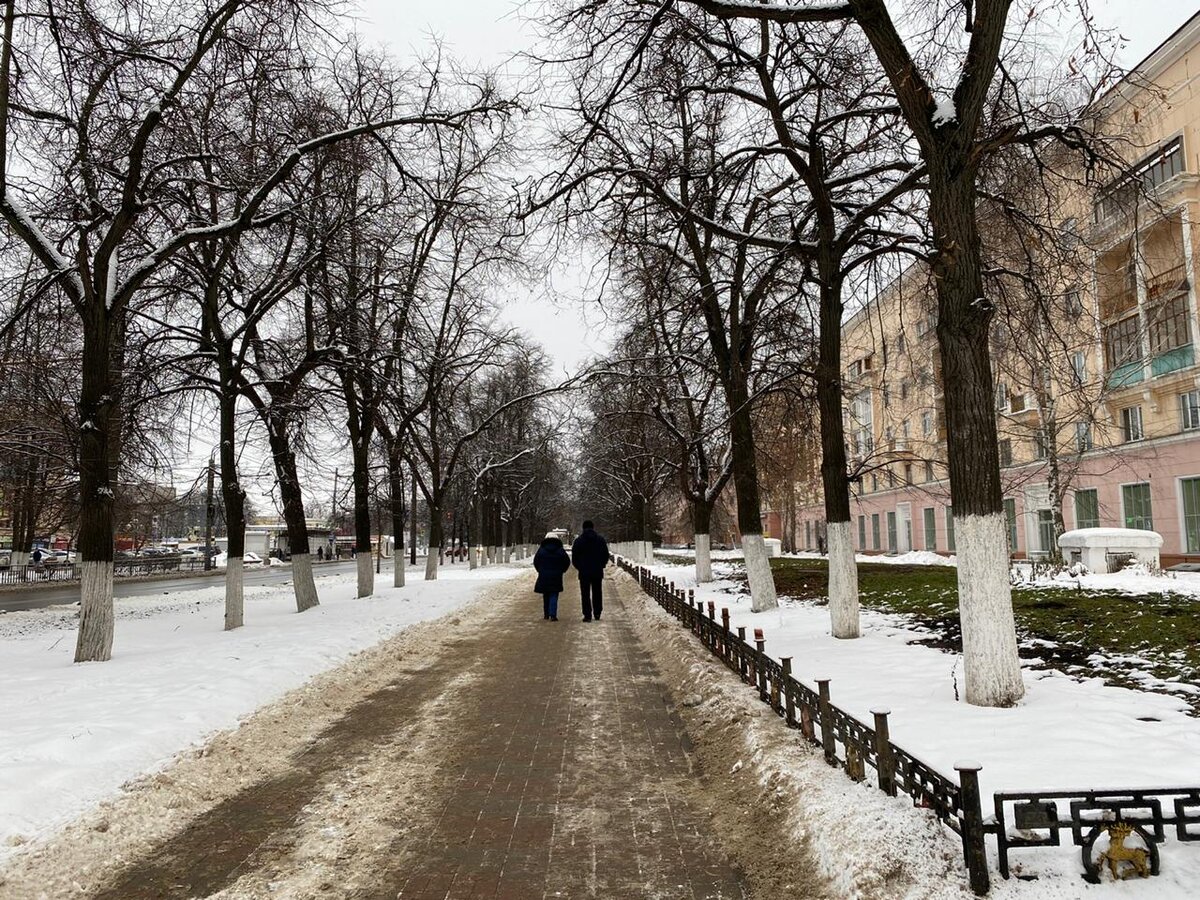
<point x="520" y="759"/>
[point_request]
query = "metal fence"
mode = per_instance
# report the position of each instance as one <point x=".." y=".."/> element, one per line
<point x="122" y="568"/>
<point x="859" y="748"/>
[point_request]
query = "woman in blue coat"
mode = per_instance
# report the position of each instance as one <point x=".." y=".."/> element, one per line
<point x="551" y="561"/>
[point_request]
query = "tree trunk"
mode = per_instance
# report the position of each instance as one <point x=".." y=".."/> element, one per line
<point x="476" y="528"/>
<point x="412" y="522"/>
<point x="396" y="489"/>
<point x="96" y="468"/>
<point x="701" y="519"/>
<point x="234" y="499"/>
<point x="362" y="515"/>
<point x="843" y="573"/>
<point x="991" y="667"/>
<point x="293" y="516"/>
<point x="435" y="543"/>
<point x="749" y="506"/>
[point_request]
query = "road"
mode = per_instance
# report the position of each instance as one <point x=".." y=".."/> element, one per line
<point x="41" y="597"/>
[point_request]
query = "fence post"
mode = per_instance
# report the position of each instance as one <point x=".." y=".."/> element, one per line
<point x="725" y="653"/>
<point x="788" y="700"/>
<point x="972" y="826"/>
<point x="825" y="712"/>
<point x="885" y="763"/>
<point x="741" y="645"/>
<point x="759" y="669"/>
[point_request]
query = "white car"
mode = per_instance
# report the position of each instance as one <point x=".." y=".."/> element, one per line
<point x="248" y="560"/>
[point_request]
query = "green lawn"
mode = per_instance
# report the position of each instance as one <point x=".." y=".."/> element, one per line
<point x="1089" y="632"/>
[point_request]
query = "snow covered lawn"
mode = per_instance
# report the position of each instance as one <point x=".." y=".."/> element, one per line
<point x="1069" y="733"/>
<point x="73" y="734"/>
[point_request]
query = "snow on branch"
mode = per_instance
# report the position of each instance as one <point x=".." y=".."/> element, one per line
<point x="813" y="11"/>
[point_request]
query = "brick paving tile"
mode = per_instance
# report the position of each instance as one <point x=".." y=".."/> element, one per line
<point x="574" y="786"/>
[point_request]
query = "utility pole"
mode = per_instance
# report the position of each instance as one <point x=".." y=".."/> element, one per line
<point x="209" y="514"/>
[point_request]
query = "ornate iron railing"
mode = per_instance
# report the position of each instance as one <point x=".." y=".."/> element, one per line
<point x="859" y="748"/>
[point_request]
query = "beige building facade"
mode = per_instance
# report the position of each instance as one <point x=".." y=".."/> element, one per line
<point x="1097" y="400"/>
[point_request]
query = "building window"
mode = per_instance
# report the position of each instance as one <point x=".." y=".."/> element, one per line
<point x="926" y="423"/>
<point x="1164" y="163"/>
<point x="1136" y="500"/>
<point x="1121" y="342"/>
<point x="807" y="534"/>
<point x="863" y="419"/>
<point x="886" y="393"/>
<point x="1087" y="508"/>
<point x="1005" y="452"/>
<point x="930" y="528"/>
<point x="928" y="470"/>
<point x="950" y="528"/>
<point x="1190" y="488"/>
<point x="1083" y="436"/>
<point x="1189" y="410"/>
<point x="1002" y="395"/>
<point x="891" y="527"/>
<point x="1010" y="517"/>
<point x="1131" y="424"/>
<point x="905" y="430"/>
<point x="1046" y="536"/>
<point x="904" y="390"/>
<point x="875" y="531"/>
<point x="1041" y="448"/>
<point x="874" y="482"/>
<point x="908" y="473"/>
<point x="1079" y="367"/>
<point x="862" y="532"/>
<point x="1074" y="304"/>
<point x="900" y="342"/>
<point x="1169" y="325"/>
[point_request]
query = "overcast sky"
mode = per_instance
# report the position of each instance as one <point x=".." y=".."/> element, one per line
<point x="492" y="32"/>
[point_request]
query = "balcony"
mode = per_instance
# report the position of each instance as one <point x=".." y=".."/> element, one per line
<point x="1172" y="361"/>
<point x="1161" y="286"/>
<point x="1125" y="375"/>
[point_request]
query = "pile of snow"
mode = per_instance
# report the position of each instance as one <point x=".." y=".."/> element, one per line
<point x="1067" y="734"/>
<point x="73" y="734"/>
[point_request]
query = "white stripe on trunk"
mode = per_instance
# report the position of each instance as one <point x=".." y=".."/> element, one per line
<point x="758" y="573"/>
<point x="843" y="581"/>
<point x="398" y="570"/>
<point x="302" y="582"/>
<point x="991" y="666"/>
<point x="235" y="606"/>
<point x="94" y="643"/>
<point x="366" y="574"/>
<point x="703" y="558"/>
<point x="431" y="564"/>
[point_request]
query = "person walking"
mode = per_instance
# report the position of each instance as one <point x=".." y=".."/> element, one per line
<point x="589" y="555"/>
<point x="550" y="561"/>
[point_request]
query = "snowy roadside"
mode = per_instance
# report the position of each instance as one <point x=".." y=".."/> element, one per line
<point x="1066" y="734"/>
<point x="73" y="734"/>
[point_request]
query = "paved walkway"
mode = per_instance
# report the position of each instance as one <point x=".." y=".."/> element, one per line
<point x="562" y="774"/>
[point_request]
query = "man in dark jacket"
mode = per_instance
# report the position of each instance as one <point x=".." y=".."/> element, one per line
<point x="589" y="554"/>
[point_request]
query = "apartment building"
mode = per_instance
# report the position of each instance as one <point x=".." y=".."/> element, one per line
<point x="1097" y="402"/>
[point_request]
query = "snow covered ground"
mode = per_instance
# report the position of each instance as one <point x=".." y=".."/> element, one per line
<point x="1067" y="734"/>
<point x="71" y="735"/>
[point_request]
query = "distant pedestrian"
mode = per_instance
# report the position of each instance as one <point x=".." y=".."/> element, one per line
<point x="320" y="554"/>
<point x="550" y="561"/>
<point x="37" y="559"/>
<point x="589" y="555"/>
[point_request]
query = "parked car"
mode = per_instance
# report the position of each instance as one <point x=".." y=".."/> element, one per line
<point x="248" y="559"/>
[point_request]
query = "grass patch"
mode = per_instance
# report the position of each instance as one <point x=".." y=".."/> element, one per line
<point x="1110" y="634"/>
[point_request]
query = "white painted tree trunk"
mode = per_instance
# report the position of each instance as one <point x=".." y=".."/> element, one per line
<point x="94" y="643"/>
<point x="235" y="604"/>
<point x="507" y="554"/>
<point x="991" y="666"/>
<point x="473" y="557"/>
<point x="758" y="572"/>
<point x="19" y="558"/>
<point x="398" y="570"/>
<point x="366" y="574"/>
<point x="302" y="582"/>
<point x="843" y="581"/>
<point x="491" y="554"/>
<point x="431" y="565"/>
<point x="703" y="558"/>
